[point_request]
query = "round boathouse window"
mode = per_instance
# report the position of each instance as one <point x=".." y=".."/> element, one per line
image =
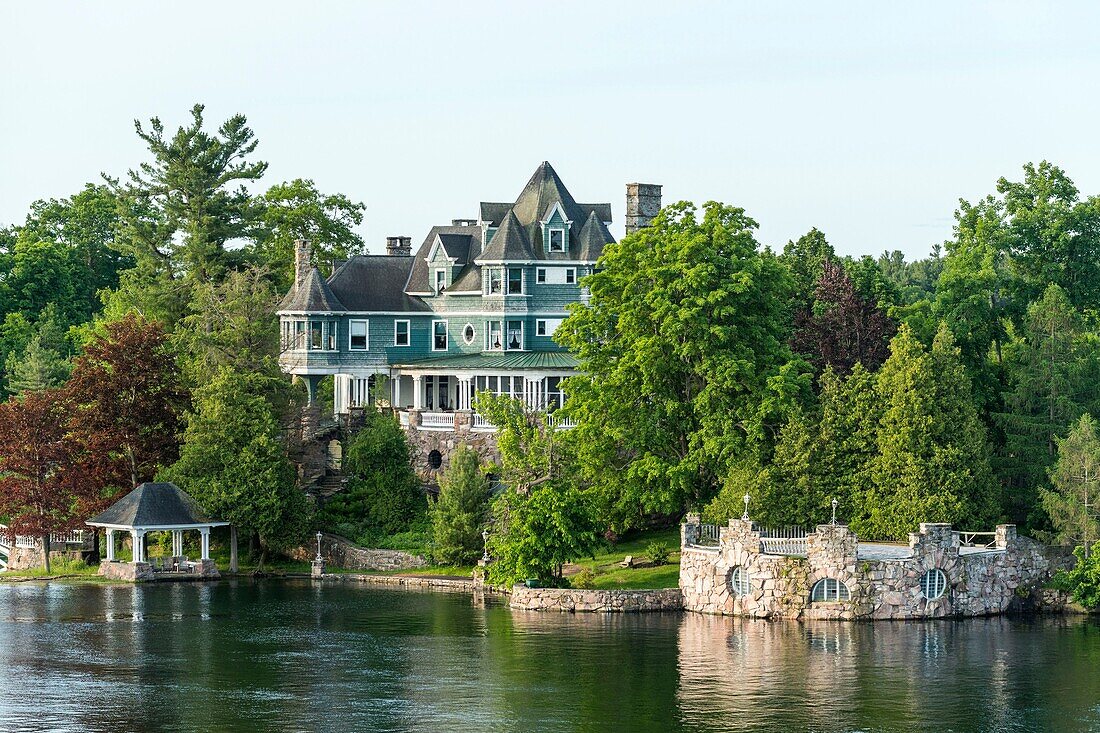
<point x="435" y="459"/>
<point x="933" y="584"/>
<point x="739" y="581"/>
<point x="829" y="590"/>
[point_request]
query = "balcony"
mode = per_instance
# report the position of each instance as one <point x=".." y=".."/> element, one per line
<point x="463" y="421"/>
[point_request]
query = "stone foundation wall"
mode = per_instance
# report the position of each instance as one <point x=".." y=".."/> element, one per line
<point x="978" y="584"/>
<point x="595" y="601"/>
<point x="340" y="553"/>
<point x="142" y="572"/>
<point x="423" y="441"/>
<point x="26" y="558"/>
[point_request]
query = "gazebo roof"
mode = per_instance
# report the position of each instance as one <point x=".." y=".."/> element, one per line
<point x="155" y="505"/>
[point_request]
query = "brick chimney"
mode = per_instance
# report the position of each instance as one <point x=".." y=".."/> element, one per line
<point x="643" y="202"/>
<point x="302" y="263"/>
<point x="399" y="246"/>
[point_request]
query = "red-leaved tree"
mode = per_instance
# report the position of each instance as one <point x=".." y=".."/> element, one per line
<point x="127" y="399"/>
<point x="842" y="328"/>
<point x="45" y="483"/>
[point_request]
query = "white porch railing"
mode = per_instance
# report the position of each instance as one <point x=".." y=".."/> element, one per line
<point x="482" y="423"/>
<point x="438" y="420"/>
<point x="560" y="423"/>
<point x="783" y="545"/>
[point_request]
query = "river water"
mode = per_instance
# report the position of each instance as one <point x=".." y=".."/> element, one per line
<point x="294" y="655"/>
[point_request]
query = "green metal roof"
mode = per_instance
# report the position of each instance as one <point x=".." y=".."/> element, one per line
<point x="500" y="360"/>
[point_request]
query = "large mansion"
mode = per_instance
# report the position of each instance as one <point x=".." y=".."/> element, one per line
<point x="474" y="309"/>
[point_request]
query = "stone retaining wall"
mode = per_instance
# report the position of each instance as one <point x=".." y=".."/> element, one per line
<point x="595" y="601"/>
<point x="980" y="583"/>
<point x="422" y="441"/>
<point x="342" y="553"/>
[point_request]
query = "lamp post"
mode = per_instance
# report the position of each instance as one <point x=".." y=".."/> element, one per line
<point x="317" y="570"/>
<point x="745" y="516"/>
<point x="834" y="502"/>
<point x="485" y="544"/>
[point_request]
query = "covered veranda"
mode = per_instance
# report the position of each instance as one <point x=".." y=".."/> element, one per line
<point x="158" y="507"/>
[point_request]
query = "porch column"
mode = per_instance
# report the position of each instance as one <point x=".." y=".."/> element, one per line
<point x="205" y="543"/>
<point x="137" y="539"/>
<point x="110" y="545"/>
<point x="397" y="392"/>
<point x="418" y="392"/>
<point x="533" y="388"/>
<point x="465" y="394"/>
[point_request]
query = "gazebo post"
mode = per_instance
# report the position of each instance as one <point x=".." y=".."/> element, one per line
<point x="233" y="565"/>
<point x="110" y="545"/>
<point x="205" y="543"/>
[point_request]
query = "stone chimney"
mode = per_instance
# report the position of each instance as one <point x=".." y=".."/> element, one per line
<point x="399" y="246"/>
<point x="643" y="202"/>
<point x="302" y="263"/>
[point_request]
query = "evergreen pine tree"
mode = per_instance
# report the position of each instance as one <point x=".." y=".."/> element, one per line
<point x="918" y="476"/>
<point x="1074" y="502"/>
<point x="459" y="515"/>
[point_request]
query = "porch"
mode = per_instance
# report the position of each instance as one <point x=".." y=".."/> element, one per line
<point x="438" y="394"/>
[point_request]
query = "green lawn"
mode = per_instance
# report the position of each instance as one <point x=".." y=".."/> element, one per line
<point x="609" y="574"/>
<point x="63" y="568"/>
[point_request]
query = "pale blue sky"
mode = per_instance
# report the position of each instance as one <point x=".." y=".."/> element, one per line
<point x="867" y="120"/>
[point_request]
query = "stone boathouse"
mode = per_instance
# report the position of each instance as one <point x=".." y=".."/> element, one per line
<point x="739" y="570"/>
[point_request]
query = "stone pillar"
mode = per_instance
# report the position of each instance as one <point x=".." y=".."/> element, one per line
<point x="110" y="545"/>
<point x="418" y="392"/>
<point x="689" y="530"/>
<point x="1006" y="536"/>
<point x="205" y="531"/>
<point x="743" y="532"/>
<point x="830" y="548"/>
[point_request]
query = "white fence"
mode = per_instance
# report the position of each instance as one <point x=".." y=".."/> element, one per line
<point x="987" y="540"/>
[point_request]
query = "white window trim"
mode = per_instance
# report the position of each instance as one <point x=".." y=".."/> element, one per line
<point x="540" y="325"/>
<point x="473" y="338"/>
<point x="408" y="332"/>
<point x="540" y="276"/>
<point x="446" y="336"/>
<point x="550" y="240"/>
<point x="569" y="270"/>
<point x="366" y="334"/>
<point x="489" y="335"/>
<point x="522" y="334"/>
<point x="436" y="288"/>
<point x="508" y="281"/>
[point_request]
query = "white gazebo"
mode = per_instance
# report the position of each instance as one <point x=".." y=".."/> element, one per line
<point x="156" y="507"/>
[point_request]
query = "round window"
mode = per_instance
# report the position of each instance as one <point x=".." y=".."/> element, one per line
<point x="829" y="590"/>
<point x="435" y="459"/>
<point x="933" y="584"/>
<point x="468" y="333"/>
<point x="739" y="581"/>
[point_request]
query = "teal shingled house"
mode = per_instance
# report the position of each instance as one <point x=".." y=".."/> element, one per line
<point x="474" y="309"/>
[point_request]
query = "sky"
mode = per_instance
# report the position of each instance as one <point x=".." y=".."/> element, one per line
<point x="867" y="120"/>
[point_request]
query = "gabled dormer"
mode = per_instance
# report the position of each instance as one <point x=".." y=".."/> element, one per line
<point x="446" y="258"/>
<point x="555" y="230"/>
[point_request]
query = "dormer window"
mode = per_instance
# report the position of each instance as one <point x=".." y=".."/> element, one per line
<point x="557" y="240"/>
<point x="440" y="281"/>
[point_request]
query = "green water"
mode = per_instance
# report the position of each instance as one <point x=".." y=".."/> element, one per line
<point x="293" y="655"/>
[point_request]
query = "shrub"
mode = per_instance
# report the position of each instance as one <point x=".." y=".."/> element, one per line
<point x="458" y="515"/>
<point x="585" y="579"/>
<point x="1083" y="582"/>
<point x="658" y="552"/>
<point x="383" y="496"/>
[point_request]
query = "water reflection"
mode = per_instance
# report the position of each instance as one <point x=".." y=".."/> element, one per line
<point x="296" y="655"/>
<point x="976" y="675"/>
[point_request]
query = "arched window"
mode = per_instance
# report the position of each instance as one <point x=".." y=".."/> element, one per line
<point x="933" y="584"/>
<point x="829" y="590"/>
<point x="739" y="581"/>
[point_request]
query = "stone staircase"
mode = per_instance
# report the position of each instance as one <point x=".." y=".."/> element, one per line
<point x="330" y="484"/>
